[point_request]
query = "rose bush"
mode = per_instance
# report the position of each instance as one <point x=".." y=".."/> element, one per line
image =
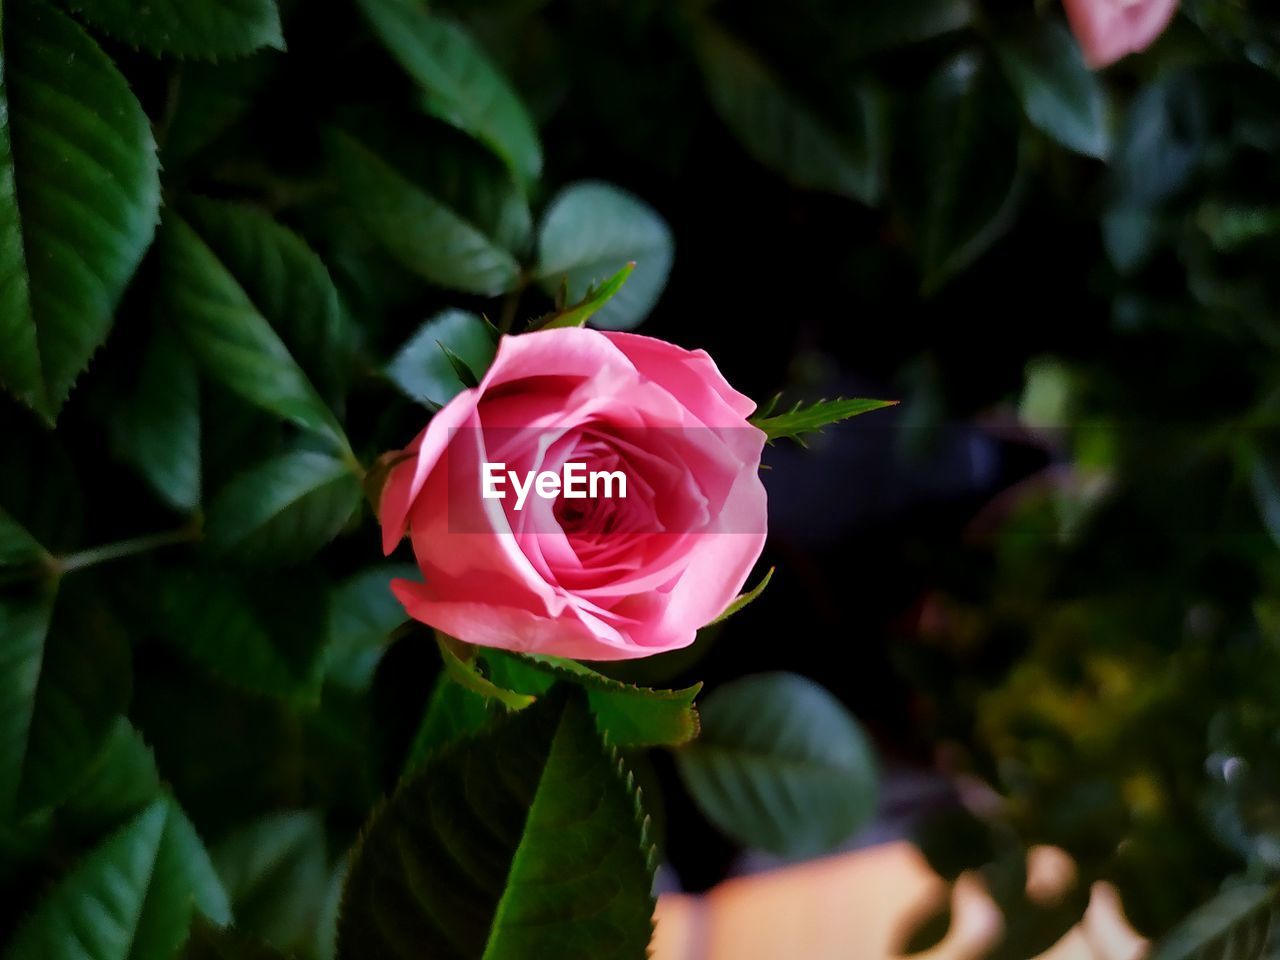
<point x="624" y="577"/>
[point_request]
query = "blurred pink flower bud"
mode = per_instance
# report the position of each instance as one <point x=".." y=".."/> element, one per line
<point x="1110" y="29"/>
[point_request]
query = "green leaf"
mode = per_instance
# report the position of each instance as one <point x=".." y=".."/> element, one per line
<point x="1234" y="925"/>
<point x="1161" y="143"/>
<point x="79" y="195"/>
<point x="780" y="765"/>
<point x="746" y="598"/>
<point x="259" y="636"/>
<point x="589" y="233"/>
<point x="131" y="898"/>
<point x="363" y="613"/>
<point x="459" y="84"/>
<point x="523" y="841"/>
<point x="801" y="419"/>
<point x="420" y="230"/>
<point x="1060" y="95"/>
<point x="627" y="715"/>
<point x="782" y="132"/>
<point x="1265" y="478"/>
<point x="462" y="668"/>
<point x="24" y="625"/>
<point x="287" y="282"/>
<point x="227" y="315"/>
<point x="157" y="425"/>
<point x="324" y="939"/>
<point x="591" y="303"/>
<point x="453" y="712"/>
<point x="183" y="884"/>
<point x="1129" y="235"/>
<point x="958" y="176"/>
<point x="276" y="872"/>
<point x="64" y="677"/>
<point x="122" y="780"/>
<point x="422" y="368"/>
<point x="466" y="376"/>
<point x="188" y="28"/>
<point x="1160" y="146"/>
<point x="451" y="168"/>
<point x="285" y="509"/>
<point x="18" y="548"/>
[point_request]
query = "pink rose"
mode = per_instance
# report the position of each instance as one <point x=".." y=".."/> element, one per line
<point x="633" y="571"/>
<point x="1109" y="29"/>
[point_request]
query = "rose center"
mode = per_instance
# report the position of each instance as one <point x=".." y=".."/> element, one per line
<point x="584" y="516"/>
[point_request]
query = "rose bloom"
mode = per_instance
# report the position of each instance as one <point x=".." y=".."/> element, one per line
<point x="608" y="578"/>
<point x="1109" y="29"/>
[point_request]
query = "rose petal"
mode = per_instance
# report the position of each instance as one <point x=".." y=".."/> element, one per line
<point x="1110" y="29"/>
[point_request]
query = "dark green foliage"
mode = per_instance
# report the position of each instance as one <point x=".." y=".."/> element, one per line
<point x="426" y="368"/>
<point x="589" y="232"/>
<point x="64" y="676"/>
<point x="218" y="28"/>
<point x="548" y="858"/>
<point x="780" y="765"/>
<point x="1235" y="925"/>
<point x="627" y="715"/>
<point x="132" y="896"/>
<point x="71" y="233"/>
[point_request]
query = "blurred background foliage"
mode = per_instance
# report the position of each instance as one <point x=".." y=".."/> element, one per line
<point x="1053" y="570"/>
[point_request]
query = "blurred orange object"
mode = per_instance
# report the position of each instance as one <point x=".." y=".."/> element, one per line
<point x="855" y="906"/>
